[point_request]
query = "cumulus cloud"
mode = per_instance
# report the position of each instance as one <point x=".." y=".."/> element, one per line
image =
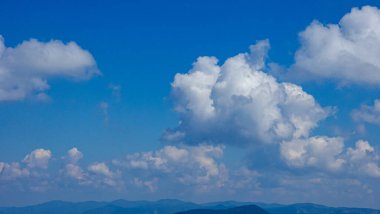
<point x="12" y="171"/>
<point x="184" y="164"/>
<point x="320" y="152"/>
<point x="104" y="176"/>
<point x="361" y="150"/>
<point x="29" y="166"/>
<point x="100" y="168"/>
<point x="329" y="153"/>
<point x="75" y="171"/>
<point x="348" y="51"/>
<point x="72" y="169"/>
<point x="97" y="174"/>
<point x="150" y="184"/>
<point x="26" y="68"/>
<point x="363" y="158"/>
<point x="74" y="155"/>
<point x="38" y="158"/>
<point x="238" y="103"/>
<point x="367" y="114"/>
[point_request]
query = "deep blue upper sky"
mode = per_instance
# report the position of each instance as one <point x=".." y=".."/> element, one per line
<point x="139" y="46"/>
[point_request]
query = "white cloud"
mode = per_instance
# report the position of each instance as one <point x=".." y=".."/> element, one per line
<point x="361" y="150"/>
<point x="185" y="164"/>
<point x="364" y="159"/>
<point x="238" y="103"/>
<point x="26" y="68"/>
<point x="328" y="153"/>
<point x="150" y="184"/>
<point x="12" y="171"/>
<point x="368" y="114"/>
<point x="75" y="171"/>
<point x="96" y="174"/>
<point x="348" y="52"/>
<point x="38" y="158"/>
<point x="373" y="170"/>
<point x="320" y="152"/>
<point x="72" y="169"/>
<point x="74" y="155"/>
<point x="104" y="176"/>
<point x="100" y="168"/>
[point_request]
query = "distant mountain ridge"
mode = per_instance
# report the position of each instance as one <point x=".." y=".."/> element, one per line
<point x="246" y="209"/>
<point x="172" y="206"/>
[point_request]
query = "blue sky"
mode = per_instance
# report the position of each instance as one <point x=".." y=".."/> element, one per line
<point x="106" y="100"/>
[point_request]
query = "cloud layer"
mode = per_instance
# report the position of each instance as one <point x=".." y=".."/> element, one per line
<point x="200" y="172"/>
<point x="26" y="68"/>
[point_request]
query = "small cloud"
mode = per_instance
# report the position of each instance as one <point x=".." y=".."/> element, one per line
<point x="38" y="158"/>
<point x="74" y="155"/>
<point x="100" y="168"/>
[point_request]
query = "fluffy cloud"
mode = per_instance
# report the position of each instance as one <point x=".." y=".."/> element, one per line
<point x="25" y="69"/>
<point x="364" y="159"/>
<point x="328" y="153"/>
<point x="104" y="176"/>
<point x="199" y="171"/>
<point x="185" y="164"/>
<point x="74" y="155"/>
<point x="29" y="174"/>
<point x="12" y="171"/>
<point x="348" y="51"/>
<point x="100" y="168"/>
<point x="97" y="174"/>
<point x="368" y="114"/>
<point x="238" y="103"/>
<point x="75" y="171"/>
<point x="38" y="158"/>
<point x="320" y="152"/>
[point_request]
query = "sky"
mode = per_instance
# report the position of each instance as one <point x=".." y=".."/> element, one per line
<point x="201" y="101"/>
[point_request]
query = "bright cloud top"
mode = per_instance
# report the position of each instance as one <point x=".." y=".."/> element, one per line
<point x="238" y="103"/>
<point x="25" y="69"/>
<point x="38" y="158"/>
<point x="348" y="52"/>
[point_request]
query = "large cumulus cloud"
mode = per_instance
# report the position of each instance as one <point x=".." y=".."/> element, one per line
<point x="348" y="52"/>
<point x="238" y="103"/>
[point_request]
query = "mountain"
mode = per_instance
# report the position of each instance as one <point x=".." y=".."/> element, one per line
<point x="170" y="206"/>
<point x="166" y="206"/>
<point x="247" y="209"/>
<point x="57" y="207"/>
<point x="113" y="209"/>
<point x="317" y="209"/>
